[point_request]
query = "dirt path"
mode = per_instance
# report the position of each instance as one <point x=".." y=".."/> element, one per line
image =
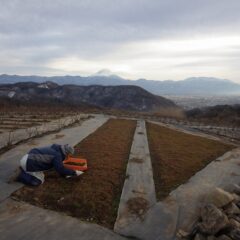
<point x="177" y="156"/>
<point x="95" y="195"/>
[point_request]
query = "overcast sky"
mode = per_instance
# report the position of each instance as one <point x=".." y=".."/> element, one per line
<point x="152" y="39"/>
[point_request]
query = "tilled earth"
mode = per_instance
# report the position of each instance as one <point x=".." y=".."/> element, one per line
<point x="95" y="195"/>
<point x="177" y="156"/>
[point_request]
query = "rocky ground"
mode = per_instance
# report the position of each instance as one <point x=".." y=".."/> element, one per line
<point x="219" y="217"/>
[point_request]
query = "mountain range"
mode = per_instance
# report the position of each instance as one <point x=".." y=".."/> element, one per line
<point x="198" y="86"/>
<point x="132" y="98"/>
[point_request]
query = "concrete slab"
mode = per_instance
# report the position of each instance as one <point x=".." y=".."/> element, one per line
<point x="138" y="194"/>
<point x="23" y="221"/>
<point x="10" y="159"/>
<point x="7" y="189"/>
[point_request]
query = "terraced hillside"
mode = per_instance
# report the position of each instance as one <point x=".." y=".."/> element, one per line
<point x="95" y="196"/>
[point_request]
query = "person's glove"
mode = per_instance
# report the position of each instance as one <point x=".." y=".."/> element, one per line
<point x="78" y="173"/>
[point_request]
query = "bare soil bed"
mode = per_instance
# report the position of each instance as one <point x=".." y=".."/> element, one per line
<point x="178" y="156"/>
<point x="95" y="195"/>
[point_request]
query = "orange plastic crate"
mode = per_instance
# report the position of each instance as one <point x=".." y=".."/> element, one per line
<point x="71" y="163"/>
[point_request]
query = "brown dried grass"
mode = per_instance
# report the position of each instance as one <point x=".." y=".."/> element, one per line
<point x="177" y="156"/>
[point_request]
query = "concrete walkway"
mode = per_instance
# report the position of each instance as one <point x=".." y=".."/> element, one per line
<point x="138" y="193"/>
<point x="20" y="221"/>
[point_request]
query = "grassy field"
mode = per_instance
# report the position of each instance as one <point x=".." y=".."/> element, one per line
<point x="177" y="156"/>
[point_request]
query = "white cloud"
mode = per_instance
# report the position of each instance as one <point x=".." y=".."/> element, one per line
<point x="163" y="59"/>
<point x="137" y="39"/>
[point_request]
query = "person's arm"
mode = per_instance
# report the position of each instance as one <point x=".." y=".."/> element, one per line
<point x="59" y="167"/>
<point x="78" y="173"/>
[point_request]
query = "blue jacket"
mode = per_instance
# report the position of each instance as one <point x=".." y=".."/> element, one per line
<point x="41" y="159"/>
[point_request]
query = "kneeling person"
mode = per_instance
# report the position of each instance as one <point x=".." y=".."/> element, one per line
<point x="38" y="160"/>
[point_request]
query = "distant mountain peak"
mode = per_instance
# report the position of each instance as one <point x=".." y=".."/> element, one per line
<point x="105" y="73"/>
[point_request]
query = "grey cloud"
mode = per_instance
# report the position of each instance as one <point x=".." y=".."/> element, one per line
<point x="27" y="70"/>
<point x="206" y="63"/>
<point x="38" y="31"/>
<point x="109" y="19"/>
